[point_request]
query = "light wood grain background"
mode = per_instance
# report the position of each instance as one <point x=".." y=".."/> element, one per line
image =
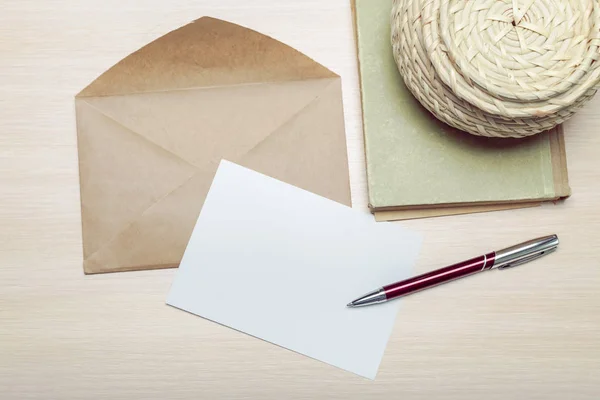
<point x="528" y="333"/>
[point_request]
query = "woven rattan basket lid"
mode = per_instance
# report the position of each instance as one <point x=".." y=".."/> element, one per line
<point x="503" y="68"/>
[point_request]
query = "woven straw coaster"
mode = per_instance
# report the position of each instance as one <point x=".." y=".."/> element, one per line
<point x="503" y="68"/>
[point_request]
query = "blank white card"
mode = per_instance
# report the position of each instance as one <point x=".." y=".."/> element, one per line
<point x="280" y="263"/>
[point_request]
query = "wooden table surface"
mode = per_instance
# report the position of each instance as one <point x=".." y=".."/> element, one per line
<point x="531" y="333"/>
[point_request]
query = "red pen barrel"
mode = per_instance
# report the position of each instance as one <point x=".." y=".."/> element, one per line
<point x="440" y="276"/>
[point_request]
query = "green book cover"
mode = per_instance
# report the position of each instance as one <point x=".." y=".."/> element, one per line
<point x="415" y="160"/>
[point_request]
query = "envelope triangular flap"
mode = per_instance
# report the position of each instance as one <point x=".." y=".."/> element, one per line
<point x="158" y="238"/>
<point x="206" y="125"/>
<point x="115" y="167"/>
<point x="206" y="52"/>
<point x="306" y="150"/>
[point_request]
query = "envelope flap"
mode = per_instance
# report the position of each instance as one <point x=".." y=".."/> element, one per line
<point x="122" y="174"/>
<point x="309" y="151"/>
<point x="205" y="125"/>
<point x="207" y="52"/>
<point x="157" y="239"/>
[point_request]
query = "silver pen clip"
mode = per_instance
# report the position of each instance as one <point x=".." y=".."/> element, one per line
<point x="526" y="259"/>
<point x="525" y="252"/>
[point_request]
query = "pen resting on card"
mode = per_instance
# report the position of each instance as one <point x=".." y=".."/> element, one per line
<point x="502" y="259"/>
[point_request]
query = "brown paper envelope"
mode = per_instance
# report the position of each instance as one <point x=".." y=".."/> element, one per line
<point x="153" y="129"/>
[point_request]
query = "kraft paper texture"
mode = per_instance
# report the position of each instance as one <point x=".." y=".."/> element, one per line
<point x="153" y="129"/>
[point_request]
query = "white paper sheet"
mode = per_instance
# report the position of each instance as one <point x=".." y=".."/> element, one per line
<point x="280" y="263"/>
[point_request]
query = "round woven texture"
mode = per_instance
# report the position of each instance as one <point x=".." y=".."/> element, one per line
<point x="503" y="68"/>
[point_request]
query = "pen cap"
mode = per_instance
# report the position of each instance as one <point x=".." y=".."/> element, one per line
<point x="525" y="252"/>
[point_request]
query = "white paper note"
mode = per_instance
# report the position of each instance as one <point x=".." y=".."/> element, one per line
<point x="280" y="263"/>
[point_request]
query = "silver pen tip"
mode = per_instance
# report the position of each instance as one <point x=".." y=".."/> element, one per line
<point x="350" y="305"/>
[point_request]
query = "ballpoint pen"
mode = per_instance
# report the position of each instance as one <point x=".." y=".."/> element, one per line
<point x="502" y="259"/>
